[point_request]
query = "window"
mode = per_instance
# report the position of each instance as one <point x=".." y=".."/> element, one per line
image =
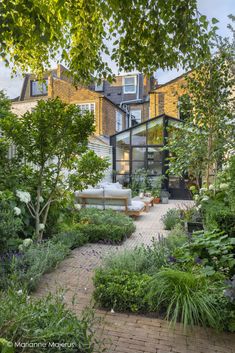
<point x="118" y="121"/>
<point x="139" y="135"/>
<point x="39" y="88"/>
<point x="129" y="84"/>
<point x="87" y="107"/>
<point x="155" y="132"/>
<point x="137" y="115"/>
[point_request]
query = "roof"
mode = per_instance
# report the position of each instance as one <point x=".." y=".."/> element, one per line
<point x="149" y="120"/>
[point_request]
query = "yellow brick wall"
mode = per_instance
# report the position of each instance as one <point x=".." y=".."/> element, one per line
<point x="165" y="99"/>
<point x="105" y="111"/>
<point x="109" y="117"/>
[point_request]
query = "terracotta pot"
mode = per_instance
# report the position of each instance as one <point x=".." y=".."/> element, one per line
<point x="157" y="199"/>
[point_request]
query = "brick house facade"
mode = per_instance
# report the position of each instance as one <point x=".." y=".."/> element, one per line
<point x="131" y="92"/>
<point x="109" y="118"/>
<point x="164" y="99"/>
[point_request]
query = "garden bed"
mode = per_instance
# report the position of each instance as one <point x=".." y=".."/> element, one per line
<point x="180" y="278"/>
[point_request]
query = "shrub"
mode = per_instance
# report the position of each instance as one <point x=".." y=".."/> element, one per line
<point x="10" y="223"/>
<point x="37" y="260"/>
<point x="133" y="260"/>
<point x="123" y="291"/>
<point x="184" y="297"/>
<point x="142" y="259"/>
<point x="171" y="218"/>
<point x="72" y="238"/>
<point x="46" y="323"/>
<point x="176" y="238"/>
<point x="106" y="226"/>
<point x="215" y="249"/>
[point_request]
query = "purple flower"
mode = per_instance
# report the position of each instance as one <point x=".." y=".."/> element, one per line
<point x="172" y="259"/>
<point x="198" y="260"/>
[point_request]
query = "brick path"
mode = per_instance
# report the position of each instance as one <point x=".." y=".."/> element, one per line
<point x="123" y="333"/>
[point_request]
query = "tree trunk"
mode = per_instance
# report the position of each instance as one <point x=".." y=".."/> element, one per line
<point x="45" y="218"/>
<point x="37" y="215"/>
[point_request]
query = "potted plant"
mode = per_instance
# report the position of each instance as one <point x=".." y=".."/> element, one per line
<point x="156" y="188"/>
<point x="157" y="198"/>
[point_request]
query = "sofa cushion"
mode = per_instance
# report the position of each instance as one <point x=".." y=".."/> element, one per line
<point x="89" y="193"/>
<point x="136" y="206"/>
<point x="107" y="185"/>
<point x="117" y="193"/>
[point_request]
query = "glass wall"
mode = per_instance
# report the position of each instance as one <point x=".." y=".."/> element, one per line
<point x="155" y="132"/>
<point x="140" y="147"/>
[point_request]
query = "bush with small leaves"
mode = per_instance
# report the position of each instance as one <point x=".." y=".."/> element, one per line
<point x="171" y="218"/>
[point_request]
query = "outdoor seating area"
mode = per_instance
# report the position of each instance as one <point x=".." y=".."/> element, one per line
<point x="111" y="196"/>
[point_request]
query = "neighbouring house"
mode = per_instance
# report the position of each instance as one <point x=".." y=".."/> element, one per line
<point x="165" y="98"/>
<point x="109" y="118"/>
<point x="130" y="92"/>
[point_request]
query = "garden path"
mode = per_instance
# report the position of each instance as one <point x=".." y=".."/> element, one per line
<point x="124" y="333"/>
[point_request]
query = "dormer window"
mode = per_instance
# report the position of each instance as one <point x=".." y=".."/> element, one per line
<point x="129" y="84"/>
<point x="39" y="88"/>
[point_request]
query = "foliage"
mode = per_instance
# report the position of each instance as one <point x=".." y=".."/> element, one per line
<point x="140" y="181"/>
<point x="53" y="138"/>
<point x="207" y="135"/>
<point x="71" y="238"/>
<point x="6" y="346"/>
<point x="185" y="297"/>
<point x="171" y="218"/>
<point x="156" y="186"/>
<point x="176" y="238"/>
<point x="230" y="291"/>
<point x="46" y="322"/>
<point x="38" y="259"/>
<point x="80" y="34"/>
<point x="121" y="291"/>
<point x="107" y="225"/>
<point x="142" y="259"/>
<point x="214" y="250"/>
<point x="217" y="203"/>
<point x="190" y="214"/>
<point x="10" y="223"/>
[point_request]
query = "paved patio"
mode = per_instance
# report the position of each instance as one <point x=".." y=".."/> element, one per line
<point x="123" y="333"/>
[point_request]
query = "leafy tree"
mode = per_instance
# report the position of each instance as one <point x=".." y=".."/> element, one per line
<point x="11" y="169"/>
<point x="207" y="136"/>
<point x="52" y="140"/>
<point x="136" y="34"/>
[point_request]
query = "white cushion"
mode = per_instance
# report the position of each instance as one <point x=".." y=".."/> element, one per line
<point x="117" y="193"/>
<point x="89" y="193"/>
<point x="107" y="185"/>
<point x="136" y="206"/>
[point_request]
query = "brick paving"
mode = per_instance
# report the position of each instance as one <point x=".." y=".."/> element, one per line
<point x="128" y="333"/>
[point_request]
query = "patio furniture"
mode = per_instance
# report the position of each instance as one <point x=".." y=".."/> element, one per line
<point x="115" y="199"/>
<point x="148" y="201"/>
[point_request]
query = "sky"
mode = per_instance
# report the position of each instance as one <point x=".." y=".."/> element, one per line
<point x="219" y="9"/>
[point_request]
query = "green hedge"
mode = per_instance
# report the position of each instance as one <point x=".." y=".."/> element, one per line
<point x="107" y="226"/>
<point x="123" y="291"/>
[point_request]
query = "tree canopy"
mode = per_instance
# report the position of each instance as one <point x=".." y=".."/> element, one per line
<point x="207" y="136"/>
<point x="137" y="34"/>
<point x="52" y="143"/>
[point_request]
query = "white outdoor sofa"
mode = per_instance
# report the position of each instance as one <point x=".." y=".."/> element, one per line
<point x="110" y="197"/>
